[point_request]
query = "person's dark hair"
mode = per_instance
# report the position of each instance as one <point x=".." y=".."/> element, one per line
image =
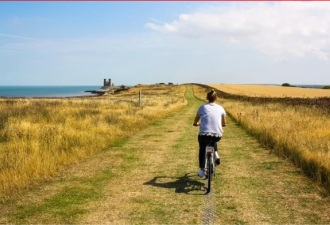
<point x="211" y="95"/>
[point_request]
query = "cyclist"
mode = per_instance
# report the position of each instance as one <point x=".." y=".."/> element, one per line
<point x="212" y="118"/>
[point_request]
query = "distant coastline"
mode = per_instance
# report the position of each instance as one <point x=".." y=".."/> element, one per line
<point x="45" y="91"/>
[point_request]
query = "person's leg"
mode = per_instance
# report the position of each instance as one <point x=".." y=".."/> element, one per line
<point x="216" y="139"/>
<point x="202" y="146"/>
<point x="217" y="158"/>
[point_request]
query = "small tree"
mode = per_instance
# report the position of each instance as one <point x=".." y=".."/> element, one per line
<point x="287" y="85"/>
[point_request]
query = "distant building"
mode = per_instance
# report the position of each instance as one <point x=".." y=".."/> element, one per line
<point x="107" y="83"/>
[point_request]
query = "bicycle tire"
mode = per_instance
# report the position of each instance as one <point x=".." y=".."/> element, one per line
<point x="209" y="173"/>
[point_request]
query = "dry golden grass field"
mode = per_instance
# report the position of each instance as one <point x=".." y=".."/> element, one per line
<point x="41" y="137"/>
<point x="298" y="132"/>
<point x="271" y="91"/>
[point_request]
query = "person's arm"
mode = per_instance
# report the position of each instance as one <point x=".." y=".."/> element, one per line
<point x="223" y="121"/>
<point x="197" y="118"/>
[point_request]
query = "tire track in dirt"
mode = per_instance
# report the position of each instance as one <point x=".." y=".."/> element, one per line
<point x="209" y="211"/>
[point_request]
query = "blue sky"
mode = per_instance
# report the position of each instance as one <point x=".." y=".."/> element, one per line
<point x="81" y="43"/>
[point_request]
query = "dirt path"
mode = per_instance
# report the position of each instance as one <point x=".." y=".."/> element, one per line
<point x="151" y="178"/>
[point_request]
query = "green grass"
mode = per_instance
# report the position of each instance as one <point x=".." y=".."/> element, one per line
<point x="119" y="143"/>
<point x="152" y="135"/>
<point x="270" y="165"/>
<point x="158" y="123"/>
<point x="67" y="205"/>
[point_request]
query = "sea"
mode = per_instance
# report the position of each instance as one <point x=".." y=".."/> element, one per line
<point x="46" y="91"/>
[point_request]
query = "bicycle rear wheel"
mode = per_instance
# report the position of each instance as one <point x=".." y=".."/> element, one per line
<point x="209" y="173"/>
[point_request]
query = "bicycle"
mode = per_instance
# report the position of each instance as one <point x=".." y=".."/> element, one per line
<point x="209" y="166"/>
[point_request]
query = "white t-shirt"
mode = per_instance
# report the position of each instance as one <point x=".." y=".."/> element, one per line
<point x="211" y="115"/>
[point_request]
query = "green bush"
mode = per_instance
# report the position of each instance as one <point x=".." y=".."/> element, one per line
<point x="287" y="85"/>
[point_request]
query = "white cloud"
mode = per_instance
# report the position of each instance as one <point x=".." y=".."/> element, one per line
<point x="278" y="29"/>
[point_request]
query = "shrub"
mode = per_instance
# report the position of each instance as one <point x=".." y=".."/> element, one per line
<point x="287" y="85"/>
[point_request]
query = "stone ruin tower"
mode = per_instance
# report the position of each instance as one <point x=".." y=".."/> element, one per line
<point x="107" y="83"/>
